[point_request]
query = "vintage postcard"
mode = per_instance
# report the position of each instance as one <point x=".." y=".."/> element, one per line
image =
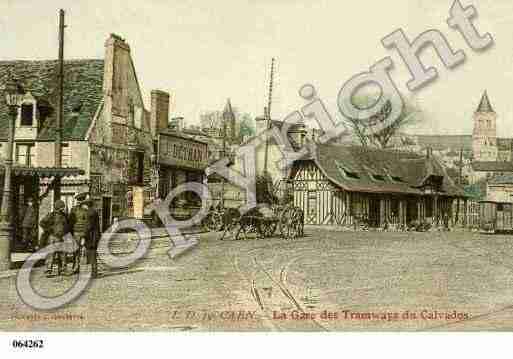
<point x="256" y="166"/>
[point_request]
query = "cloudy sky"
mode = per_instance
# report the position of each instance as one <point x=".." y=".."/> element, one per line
<point x="206" y="51"/>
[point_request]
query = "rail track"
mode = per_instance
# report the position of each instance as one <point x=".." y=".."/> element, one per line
<point x="278" y="294"/>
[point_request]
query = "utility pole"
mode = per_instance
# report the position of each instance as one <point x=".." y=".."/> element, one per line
<point x="224" y="156"/>
<point x="60" y="106"/>
<point x="267" y="114"/>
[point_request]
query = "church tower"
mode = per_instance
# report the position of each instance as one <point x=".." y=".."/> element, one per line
<point x="484" y="136"/>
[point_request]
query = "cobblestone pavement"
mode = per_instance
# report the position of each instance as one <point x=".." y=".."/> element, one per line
<point x="326" y="281"/>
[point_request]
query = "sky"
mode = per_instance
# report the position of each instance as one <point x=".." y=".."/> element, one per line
<point x="205" y="52"/>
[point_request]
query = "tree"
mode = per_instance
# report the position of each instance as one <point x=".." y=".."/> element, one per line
<point x="363" y="129"/>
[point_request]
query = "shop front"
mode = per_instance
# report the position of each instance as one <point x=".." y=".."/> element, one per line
<point x="32" y="187"/>
<point x="181" y="160"/>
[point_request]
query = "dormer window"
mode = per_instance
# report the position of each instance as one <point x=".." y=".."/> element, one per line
<point x="377" y="177"/>
<point x="393" y="178"/>
<point x="27" y="114"/>
<point x="77" y="107"/>
<point x="346" y="172"/>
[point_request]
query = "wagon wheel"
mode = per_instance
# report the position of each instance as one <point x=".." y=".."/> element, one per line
<point x="266" y="228"/>
<point x="214" y="221"/>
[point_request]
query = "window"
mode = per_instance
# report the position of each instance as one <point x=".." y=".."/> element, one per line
<point x="27" y="114"/>
<point x="77" y="107"/>
<point x="429" y="207"/>
<point x="345" y="171"/>
<point x="69" y="200"/>
<point x="374" y="176"/>
<point x="140" y="167"/>
<point x="25" y="154"/>
<point x="95" y="187"/>
<point x="65" y="155"/>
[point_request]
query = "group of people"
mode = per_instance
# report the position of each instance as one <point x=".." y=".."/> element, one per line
<point x="83" y="223"/>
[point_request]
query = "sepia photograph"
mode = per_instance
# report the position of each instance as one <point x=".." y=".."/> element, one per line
<point x="172" y="168"/>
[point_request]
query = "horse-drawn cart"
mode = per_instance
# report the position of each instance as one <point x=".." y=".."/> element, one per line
<point x="265" y="221"/>
<point x="267" y="218"/>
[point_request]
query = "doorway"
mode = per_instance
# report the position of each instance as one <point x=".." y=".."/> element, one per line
<point x="311" y="214"/>
<point x="106" y="213"/>
<point x="374" y="212"/>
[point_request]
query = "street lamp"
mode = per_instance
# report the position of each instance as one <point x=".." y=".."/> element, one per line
<point x="13" y="97"/>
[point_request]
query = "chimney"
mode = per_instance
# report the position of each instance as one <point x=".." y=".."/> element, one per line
<point x="176" y="124"/>
<point x="429" y="152"/>
<point x="116" y="51"/>
<point x="159" y="111"/>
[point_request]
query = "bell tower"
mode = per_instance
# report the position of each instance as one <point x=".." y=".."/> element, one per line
<point x="484" y="136"/>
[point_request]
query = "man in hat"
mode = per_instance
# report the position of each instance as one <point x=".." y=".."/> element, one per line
<point x="55" y="225"/>
<point x="78" y="222"/>
<point x="92" y="236"/>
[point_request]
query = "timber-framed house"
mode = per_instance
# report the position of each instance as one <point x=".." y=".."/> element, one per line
<point x="349" y="185"/>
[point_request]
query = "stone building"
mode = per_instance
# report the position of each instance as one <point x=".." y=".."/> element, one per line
<point x="106" y="130"/>
<point x="500" y="188"/>
<point x="484" y="135"/>
<point x="181" y="159"/>
<point x="213" y="124"/>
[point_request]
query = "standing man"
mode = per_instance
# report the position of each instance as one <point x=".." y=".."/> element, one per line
<point x="78" y="223"/>
<point x="85" y="224"/>
<point x="55" y="226"/>
<point x="28" y="226"/>
<point x="92" y="237"/>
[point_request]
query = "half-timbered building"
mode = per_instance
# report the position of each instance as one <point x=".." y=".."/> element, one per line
<point x="349" y="185"/>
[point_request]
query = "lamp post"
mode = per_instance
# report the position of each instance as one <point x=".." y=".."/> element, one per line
<point x="13" y="97"/>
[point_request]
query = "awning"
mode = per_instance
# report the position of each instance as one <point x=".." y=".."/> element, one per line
<point x="45" y="172"/>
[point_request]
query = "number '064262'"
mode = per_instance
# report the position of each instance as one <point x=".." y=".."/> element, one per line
<point x="28" y="344"/>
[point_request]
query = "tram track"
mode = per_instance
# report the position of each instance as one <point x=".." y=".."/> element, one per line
<point x="261" y="272"/>
<point x="256" y="275"/>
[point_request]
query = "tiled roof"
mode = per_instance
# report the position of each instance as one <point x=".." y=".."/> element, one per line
<point x="361" y="169"/>
<point x="83" y="92"/>
<point x="492" y="166"/>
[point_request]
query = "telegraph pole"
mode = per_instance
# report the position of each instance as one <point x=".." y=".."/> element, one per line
<point x="460" y="182"/>
<point x="60" y="106"/>
<point x="224" y="156"/>
<point x="267" y="114"/>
